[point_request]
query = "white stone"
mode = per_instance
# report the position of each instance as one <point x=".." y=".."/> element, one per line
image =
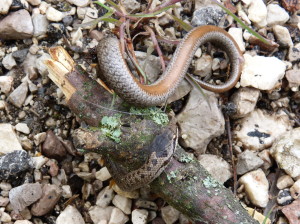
<point x="295" y="190"/>
<point x="54" y="15"/>
<point x="5" y="186"/>
<point x="43" y="7"/>
<point x="98" y="214"/>
<point x="283" y="35"/>
<point x="286" y="152"/>
<point x="276" y="15"/>
<point x="122" y="203"/>
<point x="259" y="129"/>
<point x="40" y="24"/>
<point x="216" y="166"/>
<point x="9" y="141"/>
<point x="198" y="130"/>
<point x="118" y="217"/>
<point x="66" y="191"/>
<point x="262" y="72"/>
<point x="9" y="62"/>
<point x="39" y="138"/>
<point x="6" y="83"/>
<point x="4" y="217"/>
<point x="81" y="12"/>
<point x="105" y="197"/>
<point x="257" y="13"/>
<point x="79" y="3"/>
<point x="256" y="187"/>
<point x="203" y="66"/>
<point x="103" y="174"/>
<point x="284" y="181"/>
<point x="245" y="100"/>
<point x="23" y="222"/>
<point x="139" y="216"/>
<point x="76" y="36"/>
<point x="4" y="6"/>
<point x="293" y="78"/>
<point x="169" y="214"/>
<point x="237" y="34"/>
<point x="22" y="127"/>
<point x="39" y="161"/>
<point x="70" y="215"/>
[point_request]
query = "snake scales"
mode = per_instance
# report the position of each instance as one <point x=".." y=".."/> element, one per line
<point x="117" y="75"/>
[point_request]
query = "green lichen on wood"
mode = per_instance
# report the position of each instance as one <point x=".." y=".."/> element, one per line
<point x="111" y="127"/>
<point x="153" y="113"/>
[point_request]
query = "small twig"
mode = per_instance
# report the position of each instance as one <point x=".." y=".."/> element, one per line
<point x="122" y="37"/>
<point x="155" y="43"/>
<point x="228" y="129"/>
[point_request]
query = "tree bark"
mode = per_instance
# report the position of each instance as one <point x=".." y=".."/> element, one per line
<point x="184" y="184"/>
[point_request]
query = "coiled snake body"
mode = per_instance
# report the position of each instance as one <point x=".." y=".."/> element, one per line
<point x="117" y="75"/>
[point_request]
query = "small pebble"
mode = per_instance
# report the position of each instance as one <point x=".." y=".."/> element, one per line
<point x="276" y="15"/>
<point x="295" y="190"/>
<point x="70" y="215"/>
<point x="4" y="7"/>
<point x="139" y="216"/>
<point x="284" y="181"/>
<point x="122" y="203"/>
<point x="103" y="174"/>
<point x="54" y="15"/>
<point x="105" y="197"/>
<point x="284" y="197"/>
<point x="248" y="161"/>
<point x="22" y="127"/>
<point x="169" y="214"/>
<point x="117" y="217"/>
<point x="256" y="187"/>
<point x="283" y="35"/>
<point x="24" y="195"/>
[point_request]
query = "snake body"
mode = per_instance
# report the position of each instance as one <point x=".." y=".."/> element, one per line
<point x="117" y="75"/>
<point x="160" y="152"/>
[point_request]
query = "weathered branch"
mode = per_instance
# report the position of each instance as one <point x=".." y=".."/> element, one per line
<point x="198" y="195"/>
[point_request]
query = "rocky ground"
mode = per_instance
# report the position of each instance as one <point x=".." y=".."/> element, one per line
<point x="43" y="179"/>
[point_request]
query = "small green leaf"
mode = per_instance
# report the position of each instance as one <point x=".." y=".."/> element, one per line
<point x="114" y="5"/>
<point x="104" y="6"/>
<point x="184" y="25"/>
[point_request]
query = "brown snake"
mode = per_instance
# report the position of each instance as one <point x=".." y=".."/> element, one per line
<point x="117" y="75"/>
